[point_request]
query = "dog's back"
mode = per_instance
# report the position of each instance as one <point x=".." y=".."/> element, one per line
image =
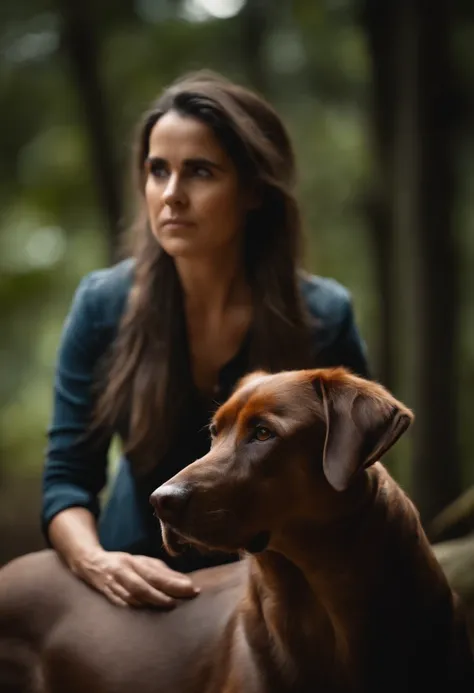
<point x="74" y="640"/>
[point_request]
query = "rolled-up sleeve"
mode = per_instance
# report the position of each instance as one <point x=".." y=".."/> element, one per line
<point x="75" y="468"/>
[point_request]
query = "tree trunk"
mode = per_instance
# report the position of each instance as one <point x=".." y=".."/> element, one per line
<point x="413" y="231"/>
<point x="253" y="23"/>
<point x="81" y="42"/>
<point x="436" y="454"/>
<point x="378" y="24"/>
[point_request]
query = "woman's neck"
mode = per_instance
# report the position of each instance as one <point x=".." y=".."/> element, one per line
<point x="212" y="284"/>
<point x="218" y="310"/>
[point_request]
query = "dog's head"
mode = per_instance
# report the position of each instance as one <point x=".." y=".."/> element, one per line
<point x="285" y="447"/>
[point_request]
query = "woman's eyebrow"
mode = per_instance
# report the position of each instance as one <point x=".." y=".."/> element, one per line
<point x="156" y="160"/>
<point x="202" y="161"/>
<point x="194" y="161"/>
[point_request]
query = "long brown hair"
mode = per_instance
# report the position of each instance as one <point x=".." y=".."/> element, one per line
<point x="149" y="381"/>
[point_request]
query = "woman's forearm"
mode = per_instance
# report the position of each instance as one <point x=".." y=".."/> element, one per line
<point x="73" y="533"/>
<point x="126" y="580"/>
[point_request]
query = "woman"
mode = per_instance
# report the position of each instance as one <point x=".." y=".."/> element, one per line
<point x="153" y="344"/>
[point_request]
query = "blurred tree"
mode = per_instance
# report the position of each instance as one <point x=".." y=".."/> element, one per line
<point x="416" y="112"/>
<point x="82" y="41"/>
<point x="379" y="25"/>
<point x="436" y="458"/>
<point x="254" y="19"/>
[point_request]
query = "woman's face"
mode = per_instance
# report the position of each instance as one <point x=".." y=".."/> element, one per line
<point x="195" y="202"/>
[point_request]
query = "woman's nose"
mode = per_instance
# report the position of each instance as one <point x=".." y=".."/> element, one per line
<point x="173" y="194"/>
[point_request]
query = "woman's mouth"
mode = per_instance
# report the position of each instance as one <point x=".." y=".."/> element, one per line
<point x="176" y="223"/>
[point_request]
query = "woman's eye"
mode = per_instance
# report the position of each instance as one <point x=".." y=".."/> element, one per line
<point x="201" y="172"/>
<point x="158" y="170"/>
<point x="262" y="433"/>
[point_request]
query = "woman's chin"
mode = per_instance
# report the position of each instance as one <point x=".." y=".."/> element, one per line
<point x="178" y="247"/>
<point x="187" y="246"/>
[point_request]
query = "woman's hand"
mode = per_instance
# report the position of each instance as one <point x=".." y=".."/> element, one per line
<point x="128" y="580"/>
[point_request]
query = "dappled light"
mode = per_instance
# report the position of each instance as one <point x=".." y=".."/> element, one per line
<point x="197" y="10"/>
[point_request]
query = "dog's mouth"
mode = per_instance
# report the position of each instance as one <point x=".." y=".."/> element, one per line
<point x="175" y="542"/>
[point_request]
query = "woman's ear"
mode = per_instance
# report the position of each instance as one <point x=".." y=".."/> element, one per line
<point x="363" y="421"/>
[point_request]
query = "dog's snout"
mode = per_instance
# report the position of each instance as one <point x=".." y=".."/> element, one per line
<point x="170" y="501"/>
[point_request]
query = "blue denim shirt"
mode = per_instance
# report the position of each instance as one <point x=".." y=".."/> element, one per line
<point x="76" y="471"/>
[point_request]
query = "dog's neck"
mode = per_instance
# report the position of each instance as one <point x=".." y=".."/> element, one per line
<point x="304" y="594"/>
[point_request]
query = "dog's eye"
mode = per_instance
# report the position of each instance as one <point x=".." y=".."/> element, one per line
<point x="262" y="433"/>
<point x="213" y="430"/>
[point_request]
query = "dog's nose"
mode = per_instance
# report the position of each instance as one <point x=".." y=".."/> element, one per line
<point x="170" y="501"/>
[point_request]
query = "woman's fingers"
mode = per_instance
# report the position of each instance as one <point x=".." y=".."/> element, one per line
<point x="157" y="574"/>
<point x="113" y="597"/>
<point x="141" y="591"/>
<point x="123" y="594"/>
<point x="128" y="580"/>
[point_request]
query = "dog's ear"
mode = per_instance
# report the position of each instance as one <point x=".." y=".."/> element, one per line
<point x="363" y="421"/>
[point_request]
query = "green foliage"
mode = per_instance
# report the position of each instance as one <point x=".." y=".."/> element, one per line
<point x="52" y="229"/>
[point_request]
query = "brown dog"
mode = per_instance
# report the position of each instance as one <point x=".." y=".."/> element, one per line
<point x="342" y="593"/>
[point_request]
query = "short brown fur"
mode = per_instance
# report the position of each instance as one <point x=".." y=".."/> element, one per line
<point x="343" y="594"/>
